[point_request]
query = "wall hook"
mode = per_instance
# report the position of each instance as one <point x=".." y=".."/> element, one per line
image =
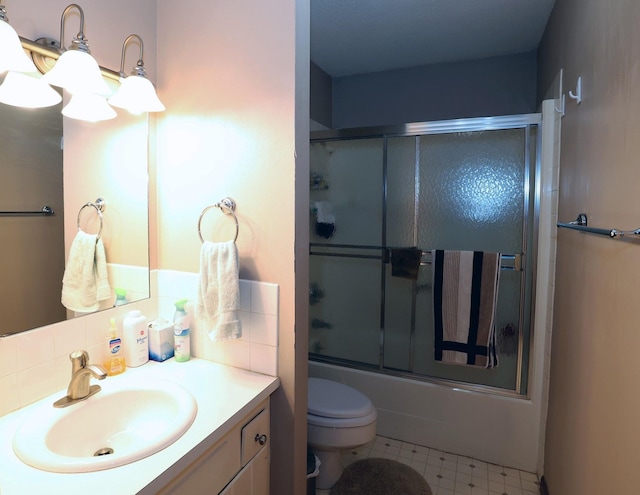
<point x="578" y="94"/>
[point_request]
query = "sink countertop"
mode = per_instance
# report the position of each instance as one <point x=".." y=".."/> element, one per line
<point x="224" y="396"/>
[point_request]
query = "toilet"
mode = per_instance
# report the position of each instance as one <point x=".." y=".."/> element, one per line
<point x="339" y="417"/>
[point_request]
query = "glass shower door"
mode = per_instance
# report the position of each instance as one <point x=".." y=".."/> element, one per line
<point x="470" y="193"/>
<point x="346" y="222"/>
<point x="454" y="185"/>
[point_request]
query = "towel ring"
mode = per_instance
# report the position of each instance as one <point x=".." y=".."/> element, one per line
<point x="227" y="206"/>
<point x="99" y="205"/>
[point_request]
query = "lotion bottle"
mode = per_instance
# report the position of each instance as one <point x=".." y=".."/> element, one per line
<point x="181" y="338"/>
<point x="115" y="362"/>
<point x="121" y="297"/>
<point x="136" y="338"/>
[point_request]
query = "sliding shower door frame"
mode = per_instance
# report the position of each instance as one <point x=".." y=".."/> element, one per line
<point x="530" y="242"/>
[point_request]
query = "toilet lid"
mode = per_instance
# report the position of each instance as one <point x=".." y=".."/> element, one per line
<point x="335" y="400"/>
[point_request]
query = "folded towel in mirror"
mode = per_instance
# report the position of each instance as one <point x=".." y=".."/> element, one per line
<point x="85" y="281"/>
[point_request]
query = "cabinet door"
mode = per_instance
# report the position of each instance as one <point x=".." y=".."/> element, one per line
<point x="211" y="472"/>
<point x="254" y="477"/>
<point x="260" y="473"/>
<point x="241" y="484"/>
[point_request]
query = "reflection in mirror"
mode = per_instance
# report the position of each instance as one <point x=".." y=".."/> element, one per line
<point x="101" y="160"/>
<point x="32" y="248"/>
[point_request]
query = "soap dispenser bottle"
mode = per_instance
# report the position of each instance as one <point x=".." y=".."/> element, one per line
<point x="115" y="362"/>
<point x="181" y="338"/>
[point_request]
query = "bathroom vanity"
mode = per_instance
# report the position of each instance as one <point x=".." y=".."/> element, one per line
<point x="225" y="450"/>
<point x="240" y="460"/>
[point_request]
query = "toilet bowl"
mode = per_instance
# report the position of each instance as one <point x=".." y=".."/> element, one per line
<point x="339" y="417"/>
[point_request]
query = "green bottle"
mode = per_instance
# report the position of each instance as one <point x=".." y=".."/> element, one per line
<point x="181" y="339"/>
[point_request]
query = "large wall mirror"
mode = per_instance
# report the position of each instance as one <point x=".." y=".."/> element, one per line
<point x="48" y="160"/>
<point x="106" y="160"/>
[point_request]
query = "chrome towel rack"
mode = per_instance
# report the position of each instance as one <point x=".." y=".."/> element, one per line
<point x="46" y="211"/>
<point x="99" y="205"/>
<point x="581" y="223"/>
<point x="507" y="261"/>
<point x="227" y="206"/>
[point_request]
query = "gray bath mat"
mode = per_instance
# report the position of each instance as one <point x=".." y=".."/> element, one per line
<point x="375" y="476"/>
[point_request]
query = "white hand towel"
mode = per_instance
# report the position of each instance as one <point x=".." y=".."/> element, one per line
<point x="85" y="282"/>
<point x="103" y="289"/>
<point x="218" y="298"/>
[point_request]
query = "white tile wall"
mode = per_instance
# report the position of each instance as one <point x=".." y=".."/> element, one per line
<point x="257" y="349"/>
<point x="35" y="364"/>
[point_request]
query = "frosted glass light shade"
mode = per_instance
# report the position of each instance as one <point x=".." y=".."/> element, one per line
<point x="137" y="95"/>
<point x="89" y="107"/>
<point x="77" y="72"/>
<point x="27" y="90"/>
<point x="12" y="56"/>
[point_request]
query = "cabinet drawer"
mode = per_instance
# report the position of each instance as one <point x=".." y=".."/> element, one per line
<point x="255" y="435"/>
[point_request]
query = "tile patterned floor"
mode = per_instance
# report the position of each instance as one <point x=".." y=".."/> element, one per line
<point x="449" y="474"/>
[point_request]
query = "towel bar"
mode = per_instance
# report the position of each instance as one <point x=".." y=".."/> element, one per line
<point x="227" y="206"/>
<point x="581" y="224"/>
<point x="507" y="261"/>
<point x="46" y="211"/>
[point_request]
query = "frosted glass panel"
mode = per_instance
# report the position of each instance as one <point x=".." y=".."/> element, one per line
<point x="397" y="322"/>
<point x="402" y="196"/>
<point x="344" y="308"/>
<point x="346" y="187"/>
<point x="472" y="191"/>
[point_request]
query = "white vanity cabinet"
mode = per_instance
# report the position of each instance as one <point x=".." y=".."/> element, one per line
<point x="225" y="450"/>
<point x="237" y="464"/>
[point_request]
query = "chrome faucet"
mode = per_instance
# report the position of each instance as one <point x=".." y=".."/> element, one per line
<point x="81" y="373"/>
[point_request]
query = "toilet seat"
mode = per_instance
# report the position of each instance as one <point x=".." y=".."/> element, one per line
<point x="335" y="405"/>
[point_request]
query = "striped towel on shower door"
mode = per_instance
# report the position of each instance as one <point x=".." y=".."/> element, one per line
<point x="465" y="288"/>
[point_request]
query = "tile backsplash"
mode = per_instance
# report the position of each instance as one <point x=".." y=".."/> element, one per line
<point x="257" y="349"/>
<point x="35" y="364"/>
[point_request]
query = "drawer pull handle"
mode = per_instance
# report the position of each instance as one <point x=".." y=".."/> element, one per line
<point x="261" y="439"/>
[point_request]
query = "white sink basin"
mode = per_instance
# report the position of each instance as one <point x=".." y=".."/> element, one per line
<point x="124" y="422"/>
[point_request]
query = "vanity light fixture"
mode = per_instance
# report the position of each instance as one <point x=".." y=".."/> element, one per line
<point x="76" y="70"/>
<point x="12" y="56"/>
<point x="89" y="107"/>
<point x="22" y="86"/>
<point x="136" y="93"/>
<point x="72" y="69"/>
<point x="27" y="90"/>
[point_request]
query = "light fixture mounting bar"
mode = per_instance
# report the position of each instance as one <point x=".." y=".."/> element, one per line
<point x="54" y="53"/>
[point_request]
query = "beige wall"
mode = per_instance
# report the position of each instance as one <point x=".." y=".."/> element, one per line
<point x="227" y="74"/>
<point x="592" y="431"/>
